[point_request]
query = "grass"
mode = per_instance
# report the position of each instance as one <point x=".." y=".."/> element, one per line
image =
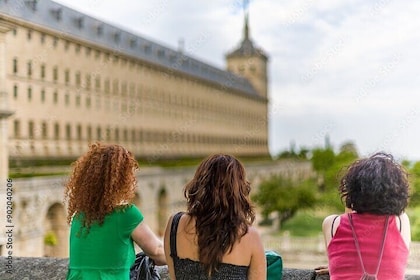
<point x="304" y="224"/>
<point x="37" y="174"/>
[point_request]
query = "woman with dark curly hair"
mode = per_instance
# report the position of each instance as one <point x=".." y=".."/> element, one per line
<point x="104" y="223"/>
<point x="215" y="239"/>
<point x="371" y="240"/>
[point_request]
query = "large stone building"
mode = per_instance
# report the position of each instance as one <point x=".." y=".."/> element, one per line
<point x="71" y="79"/>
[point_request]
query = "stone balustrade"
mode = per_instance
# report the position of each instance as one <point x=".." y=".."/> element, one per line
<point x="24" y="268"/>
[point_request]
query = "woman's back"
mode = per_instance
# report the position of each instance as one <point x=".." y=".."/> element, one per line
<point x="106" y="250"/>
<point x="184" y="251"/>
<point x="344" y="261"/>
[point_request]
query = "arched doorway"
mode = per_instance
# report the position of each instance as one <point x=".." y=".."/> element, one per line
<point x="162" y="211"/>
<point x="56" y="232"/>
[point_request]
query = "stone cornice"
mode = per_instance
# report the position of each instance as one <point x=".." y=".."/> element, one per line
<point x="5" y="26"/>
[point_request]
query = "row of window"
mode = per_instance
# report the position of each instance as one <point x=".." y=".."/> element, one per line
<point x="85" y="83"/>
<point x="92" y="80"/>
<point x="90" y="133"/>
<point x="161" y="101"/>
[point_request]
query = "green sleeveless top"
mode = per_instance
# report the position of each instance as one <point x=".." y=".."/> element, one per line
<point x="107" y="251"/>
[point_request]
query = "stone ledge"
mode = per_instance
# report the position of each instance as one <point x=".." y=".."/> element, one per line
<point x="55" y="269"/>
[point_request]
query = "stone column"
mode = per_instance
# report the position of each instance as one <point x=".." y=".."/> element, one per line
<point x="5" y="111"/>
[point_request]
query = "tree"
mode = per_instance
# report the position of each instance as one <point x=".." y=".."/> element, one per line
<point x="329" y="167"/>
<point x="284" y="197"/>
<point x="414" y="172"/>
<point x="322" y="160"/>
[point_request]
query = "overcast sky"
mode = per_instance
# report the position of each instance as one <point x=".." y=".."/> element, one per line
<point x="346" y="69"/>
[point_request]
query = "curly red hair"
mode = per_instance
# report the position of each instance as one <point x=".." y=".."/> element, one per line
<point x="102" y="180"/>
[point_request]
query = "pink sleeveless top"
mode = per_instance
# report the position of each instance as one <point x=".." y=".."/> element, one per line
<point x="343" y="259"/>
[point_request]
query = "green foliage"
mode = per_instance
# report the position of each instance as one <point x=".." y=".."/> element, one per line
<point x="285" y="197"/>
<point x="322" y="159"/>
<point x="414" y="216"/>
<point x="302" y="154"/>
<point x="50" y="239"/>
<point x="330" y="167"/>
<point x="414" y="172"/>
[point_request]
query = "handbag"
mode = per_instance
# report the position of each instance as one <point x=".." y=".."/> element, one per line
<point x="143" y="268"/>
<point x="274" y="265"/>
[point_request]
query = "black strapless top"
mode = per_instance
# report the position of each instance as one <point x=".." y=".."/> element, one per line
<point x="187" y="269"/>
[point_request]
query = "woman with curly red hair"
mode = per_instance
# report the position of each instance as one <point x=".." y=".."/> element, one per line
<point x="103" y="221"/>
<point x="215" y="239"/>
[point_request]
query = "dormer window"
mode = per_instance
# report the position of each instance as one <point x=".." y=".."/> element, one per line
<point x="160" y="53"/>
<point x="117" y="37"/>
<point x="172" y="58"/>
<point x="133" y="43"/>
<point x="57" y="14"/>
<point x="79" y="22"/>
<point x="32" y="4"/>
<point x="100" y="30"/>
<point x="147" y="48"/>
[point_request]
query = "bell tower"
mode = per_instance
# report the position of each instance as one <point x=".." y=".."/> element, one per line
<point x="249" y="62"/>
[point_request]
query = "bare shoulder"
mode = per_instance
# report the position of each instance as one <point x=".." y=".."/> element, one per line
<point x="404" y="218"/>
<point x="253" y="232"/>
<point x="330" y="224"/>
<point x="252" y="237"/>
<point x="329" y="220"/>
<point x="405" y="229"/>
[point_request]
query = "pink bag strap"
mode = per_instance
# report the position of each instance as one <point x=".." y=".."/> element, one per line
<point x="356" y="243"/>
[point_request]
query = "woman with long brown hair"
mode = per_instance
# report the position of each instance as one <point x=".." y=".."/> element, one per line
<point x="103" y="221"/>
<point x="215" y="238"/>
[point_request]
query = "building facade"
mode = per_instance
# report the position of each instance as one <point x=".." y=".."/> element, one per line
<point x="71" y="79"/>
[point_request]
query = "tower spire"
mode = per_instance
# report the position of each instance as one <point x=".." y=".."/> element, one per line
<point x="246" y="27"/>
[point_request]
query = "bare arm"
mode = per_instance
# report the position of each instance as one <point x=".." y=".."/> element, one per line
<point x="258" y="266"/>
<point x="149" y="243"/>
<point x="326" y="228"/>
<point x="327" y="224"/>
<point x="405" y="229"/>
<point x="168" y="249"/>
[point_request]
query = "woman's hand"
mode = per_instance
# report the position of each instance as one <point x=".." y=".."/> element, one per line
<point x="321" y="270"/>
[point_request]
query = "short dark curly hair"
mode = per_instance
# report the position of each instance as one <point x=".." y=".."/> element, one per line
<point x="376" y="185"/>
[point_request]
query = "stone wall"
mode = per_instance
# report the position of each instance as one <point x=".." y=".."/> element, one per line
<point x="55" y="269"/>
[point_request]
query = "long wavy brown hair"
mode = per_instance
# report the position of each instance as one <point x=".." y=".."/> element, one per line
<point x="103" y="179"/>
<point x="218" y="198"/>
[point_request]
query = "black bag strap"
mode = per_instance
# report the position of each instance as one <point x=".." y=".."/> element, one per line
<point x="174" y="229"/>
